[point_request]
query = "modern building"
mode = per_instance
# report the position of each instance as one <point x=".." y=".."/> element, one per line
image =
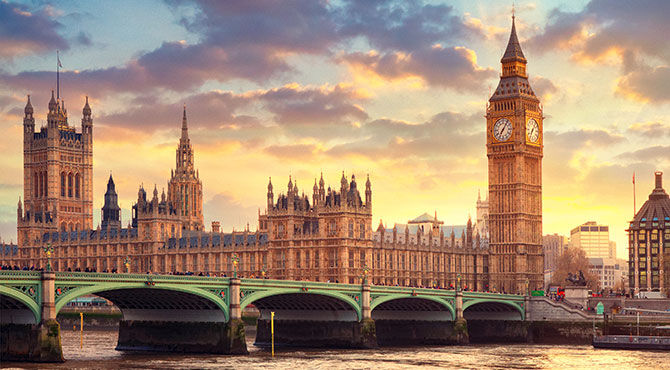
<point x="649" y="244"/>
<point x="594" y="239"/>
<point x="612" y="273"/>
<point x="553" y="245"/>
<point x="514" y="144"/>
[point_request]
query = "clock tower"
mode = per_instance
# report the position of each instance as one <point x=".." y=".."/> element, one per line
<point x="514" y="150"/>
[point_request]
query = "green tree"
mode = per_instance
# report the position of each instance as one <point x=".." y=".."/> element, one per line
<point x="572" y="261"/>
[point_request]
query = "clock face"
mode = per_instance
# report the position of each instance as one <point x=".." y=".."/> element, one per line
<point x="532" y="130"/>
<point x="502" y="129"/>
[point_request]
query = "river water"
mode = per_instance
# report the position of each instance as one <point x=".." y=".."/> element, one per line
<point x="98" y="352"/>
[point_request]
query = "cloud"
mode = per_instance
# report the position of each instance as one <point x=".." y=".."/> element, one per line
<point x="544" y="87"/>
<point x="296" y="151"/>
<point x="454" y="67"/>
<point x="633" y="34"/>
<point x="24" y="32"/>
<point x="650" y="129"/>
<point x="646" y="84"/>
<point x="652" y="154"/>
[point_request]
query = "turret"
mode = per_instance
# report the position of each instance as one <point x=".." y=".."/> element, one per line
<point x="289" y="195"/>
<point x="110" y="211"/>
<point x="322" y="189"/>
<point x="87" y="121"/>
<point x="368" y="194"/>
<point x="28" y="122"/>
<point x="315" y="194"/>
<point x="343" y="189"/>
<point x="270" y="195"/>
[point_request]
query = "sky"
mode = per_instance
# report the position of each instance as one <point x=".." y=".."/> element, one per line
<point x="393" y="89"/>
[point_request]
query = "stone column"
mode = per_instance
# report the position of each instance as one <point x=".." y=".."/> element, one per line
<point x="459" y="304"/>
<point x="48" y="295"/>
<point x="460" y="324"/>
<point x="235" y="311"/>
<point x="365" y="301"/>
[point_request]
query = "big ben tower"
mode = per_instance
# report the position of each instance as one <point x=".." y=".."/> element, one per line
<point x="514" y="150"/>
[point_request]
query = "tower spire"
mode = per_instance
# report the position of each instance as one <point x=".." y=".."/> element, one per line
<point x="513" y="50"/>
<point x="184" y="125"/>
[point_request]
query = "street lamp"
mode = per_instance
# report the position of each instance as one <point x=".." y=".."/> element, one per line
<point x="458" y="282"/>
<point x="366" y="271"/>
<point x="235" y="260"/>
<point x="48" y="250"/>
<point x="263" y="272"/>
<point x="527" y="285"/>
<point x="126" y="262"/>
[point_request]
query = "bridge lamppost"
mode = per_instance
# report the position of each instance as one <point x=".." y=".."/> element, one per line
<point x="126" y="262"/>
<point x="263" y="272"/>
<point x="527" y="286"/>
<point x="458" y="282"/>
<point x="48" y="250"/>
<point x="366" y="271"/>
<point x="235" y="260"/>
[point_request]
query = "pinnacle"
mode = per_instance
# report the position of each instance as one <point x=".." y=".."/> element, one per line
<point x="513" y="50"/>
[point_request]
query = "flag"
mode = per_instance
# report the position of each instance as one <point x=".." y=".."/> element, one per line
<point x="633" y="177"/>
<point x="58" y="58"/>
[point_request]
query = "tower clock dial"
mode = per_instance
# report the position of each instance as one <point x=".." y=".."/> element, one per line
<point x="532" y="130"/>
<point x="502" y="129"/>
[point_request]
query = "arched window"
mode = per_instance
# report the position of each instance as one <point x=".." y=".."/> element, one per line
<point x="45" y="190"/>
<point x="69" y="185"/>
<point x="62" y="184"/>
<point x="62" y="227"/>
<point x="71" y="226"/>
<point x="77" y="185"/>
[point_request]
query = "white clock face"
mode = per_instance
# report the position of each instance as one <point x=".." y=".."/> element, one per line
<point x="502" y="129"/>
<point x="532" y="130"/>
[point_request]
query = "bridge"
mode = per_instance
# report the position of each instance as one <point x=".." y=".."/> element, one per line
<point x="203" y="314"/>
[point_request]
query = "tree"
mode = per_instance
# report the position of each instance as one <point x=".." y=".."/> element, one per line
<point x="572" y="261"/>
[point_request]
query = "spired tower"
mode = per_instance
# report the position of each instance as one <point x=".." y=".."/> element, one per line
<point x="111" y="212"/>
<point x="185" y="187"/>
<point x="57" y="174"/>
<point x="514" y="149"/>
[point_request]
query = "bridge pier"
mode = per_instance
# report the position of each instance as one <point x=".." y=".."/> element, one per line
<point x="38" y="342"/>
<point x="460" y="324"/>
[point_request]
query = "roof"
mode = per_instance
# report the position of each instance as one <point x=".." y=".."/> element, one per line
<point x="423" y="218"/>
<point x="513" y="51"/>
<point x="655" y="210"/>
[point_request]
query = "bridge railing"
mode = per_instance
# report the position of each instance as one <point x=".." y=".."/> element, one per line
<point x="67" y="275"/>
<point x="20" y="274"/>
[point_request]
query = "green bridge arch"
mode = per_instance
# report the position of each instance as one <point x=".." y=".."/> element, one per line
<point x="472" y="302"/>
<point x="248" y="299"/>
<point x="33" y="306"/>
<point x="392" y="297"/>
<point x="98" y="288"/>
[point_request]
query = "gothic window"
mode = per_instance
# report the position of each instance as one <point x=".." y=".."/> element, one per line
<point x="77" y="185"/>
<point x="351" y="229"/>
<point x="69" y="185"/>
<point x="316" y="259"/>
<point x="351" y="259"/>
<point x="362" y="259"/>
<point x="36" y="185"/>
<point x="297" y="259"/>
<point x="362" y="230"/>
<point x="307" y="259"/>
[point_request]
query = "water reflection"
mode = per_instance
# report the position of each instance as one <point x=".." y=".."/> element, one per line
<point x="98" y="352"/>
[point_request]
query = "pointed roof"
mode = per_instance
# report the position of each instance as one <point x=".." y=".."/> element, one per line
<point x="513" y="51"/>
<point x="29" y="107"/>
<point x="184" y="125"/>
<point x="110" y="184"/>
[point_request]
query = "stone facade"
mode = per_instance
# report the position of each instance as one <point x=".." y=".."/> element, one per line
<point x="57" y="174"/>
<point x="649" y="243"/>
<point x="514" y="149"/>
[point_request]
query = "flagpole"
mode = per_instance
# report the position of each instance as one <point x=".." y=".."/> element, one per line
<point x="57" y="76"/>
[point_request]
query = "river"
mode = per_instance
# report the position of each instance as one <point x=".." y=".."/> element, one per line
<point x="98" y="352"/>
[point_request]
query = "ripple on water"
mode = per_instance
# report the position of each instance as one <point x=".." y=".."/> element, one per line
<point x="98" y="352"/>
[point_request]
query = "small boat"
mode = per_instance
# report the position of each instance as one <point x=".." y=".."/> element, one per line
<point x="632" y="342"/>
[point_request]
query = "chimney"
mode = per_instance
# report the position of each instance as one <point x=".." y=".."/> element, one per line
<point x="216" y="226"/>
<point x="659" y="179"/>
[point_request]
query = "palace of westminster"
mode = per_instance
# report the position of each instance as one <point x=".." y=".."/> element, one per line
<point x="328" y="237"/>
